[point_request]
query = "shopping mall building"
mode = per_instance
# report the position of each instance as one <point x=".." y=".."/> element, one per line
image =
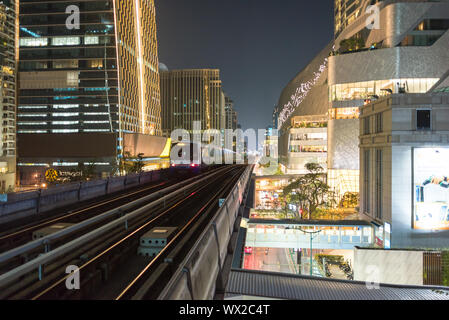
<point x="381" y="48"/>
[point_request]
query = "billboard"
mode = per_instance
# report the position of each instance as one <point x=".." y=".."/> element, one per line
<point x="431" y="189"/>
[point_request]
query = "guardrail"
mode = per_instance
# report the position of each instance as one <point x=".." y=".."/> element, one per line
<point x="195" y="278"/>
<point x="23" y="204"/>
<point x="34" y="264"/>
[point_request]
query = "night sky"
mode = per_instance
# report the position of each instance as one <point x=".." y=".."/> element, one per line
<point x="258" y="45"/>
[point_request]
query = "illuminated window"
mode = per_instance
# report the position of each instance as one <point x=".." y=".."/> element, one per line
<point x="65" y="64"/>
<point x="72" y="79"/>
<point x="68" y="114"/>
<point x="65" y="106"/>
<point x="91" y="40"/>
<point x="65" y="130"/>
<point x="65" y="123"/>
<point x="33" y="42"/>
<point x="97" y="63"/>
<point x="65" y="41"/>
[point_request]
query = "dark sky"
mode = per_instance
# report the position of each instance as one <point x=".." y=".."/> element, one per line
<point x="258" y="45"/>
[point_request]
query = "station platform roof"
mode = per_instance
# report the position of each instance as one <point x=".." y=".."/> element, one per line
<point x="249" y="284"/>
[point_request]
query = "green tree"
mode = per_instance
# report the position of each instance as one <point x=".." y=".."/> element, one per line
<point x="138" y="164"/>
<point x="309" y="192"/>
<point x="351" y="44"/>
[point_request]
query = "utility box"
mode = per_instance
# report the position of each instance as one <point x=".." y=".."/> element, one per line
<point x="50" y="230"/>
<point x="152" y="242"/>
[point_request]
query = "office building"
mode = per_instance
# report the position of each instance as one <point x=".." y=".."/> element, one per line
<point x="96" y="81"/>
<point x="8" y="65"/>
<point x="231" y="114"/>
<point x="192" y="95"/>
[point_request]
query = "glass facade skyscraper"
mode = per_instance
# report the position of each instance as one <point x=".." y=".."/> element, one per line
<point x="100" y="76"/>
<point x="192" y="95"/>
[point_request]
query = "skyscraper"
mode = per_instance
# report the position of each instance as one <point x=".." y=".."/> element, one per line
<point x="192" y="95"/>
<point x="8" y="63"/>
<point x="89" y="69"/>
<point x="231" y="114"/>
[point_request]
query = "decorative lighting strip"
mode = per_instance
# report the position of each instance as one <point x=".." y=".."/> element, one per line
<point x="140" y="61"/>
<point x="300" y="94"/>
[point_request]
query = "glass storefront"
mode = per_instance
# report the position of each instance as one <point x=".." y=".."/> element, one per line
<point x="367" y="89"/>
<point x="431" y="187"/>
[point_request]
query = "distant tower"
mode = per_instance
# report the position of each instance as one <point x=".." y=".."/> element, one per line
<point x="192" y="95"/>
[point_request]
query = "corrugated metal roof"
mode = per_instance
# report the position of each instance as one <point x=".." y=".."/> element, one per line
<point x="294" y="287"/>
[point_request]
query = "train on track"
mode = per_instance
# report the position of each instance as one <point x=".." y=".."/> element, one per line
<point x="194" y="157"/>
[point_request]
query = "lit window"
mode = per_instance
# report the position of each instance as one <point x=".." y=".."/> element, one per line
<point x="65" y="64"/>
<point x="96" y="121"/>
<point x="65" y="130"/>
<point x="32" y="123"/>
<point x="33" y="115"/>
<point x="65" y="106"/>
<point x="91" y="40"/>
<point x="68" y="114"/>
<point x="33" y="42"/>
<point x="32" y="131"/>
<point x="65" y="41"/>
<point x="65" y="122"/>
<point x="97" y="63"/>
<point x="32" y="107"/>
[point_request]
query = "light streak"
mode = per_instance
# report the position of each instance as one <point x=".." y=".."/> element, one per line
<point x="141" y="64"/>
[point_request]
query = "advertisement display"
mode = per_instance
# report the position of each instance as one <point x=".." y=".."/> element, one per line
<point x="431" y="189"/>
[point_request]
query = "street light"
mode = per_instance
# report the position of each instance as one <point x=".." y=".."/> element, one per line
<point x="311" y="240"/>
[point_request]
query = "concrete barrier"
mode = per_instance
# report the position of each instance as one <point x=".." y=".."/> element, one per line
<point x="196" y="276"/>
<point x="24" y="204"/>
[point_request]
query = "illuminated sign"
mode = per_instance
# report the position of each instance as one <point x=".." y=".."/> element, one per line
<point x="431" y="189"/>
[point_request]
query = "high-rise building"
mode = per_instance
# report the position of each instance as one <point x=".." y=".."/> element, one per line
<point x="231" y="114"/>
<point x="88" y="69"/>
<point x="347" y="11"/>
<point x="8" y="65"/>
<point x="192" y="95"/>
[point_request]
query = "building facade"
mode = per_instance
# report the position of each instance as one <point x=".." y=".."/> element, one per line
<point x="87" y="68"/>
<point x="302" y="117"/>
<point x="8" y="77"/>
<point x="231" y="114"/>
<point x="404" y="186"/>
<point x="393" y="47"/>
<point x="192" y="95"/>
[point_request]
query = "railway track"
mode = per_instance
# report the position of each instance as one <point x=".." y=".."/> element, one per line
<point x="22" y="250"/>
<point x="98" y="256"/>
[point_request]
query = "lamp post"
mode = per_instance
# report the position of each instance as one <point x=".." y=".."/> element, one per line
<point x="311" y="240"/>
